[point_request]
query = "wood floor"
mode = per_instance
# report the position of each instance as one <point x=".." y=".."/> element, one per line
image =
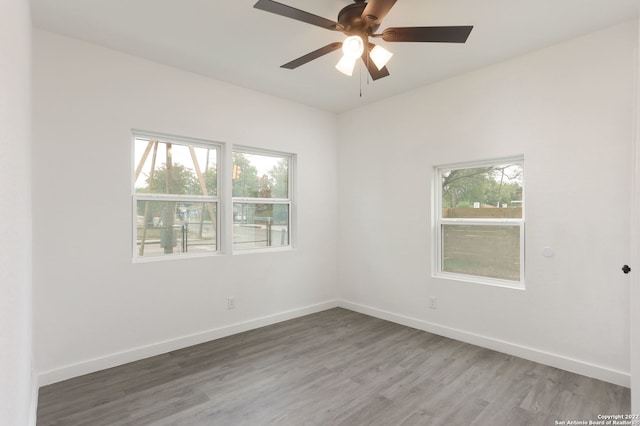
<point x="332" y="368"/>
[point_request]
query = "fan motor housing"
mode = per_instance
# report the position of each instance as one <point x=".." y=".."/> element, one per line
<point x="350" y="18"/>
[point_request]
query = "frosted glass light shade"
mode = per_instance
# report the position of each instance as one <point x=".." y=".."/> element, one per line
<point x="346" y="65"/>
<point x="353" y="46"/>
<point x="380" y="56"/>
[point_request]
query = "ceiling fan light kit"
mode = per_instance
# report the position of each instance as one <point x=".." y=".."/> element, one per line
<point x="380" y="56"/>
<point x="359" y="21"/>
<point x="352" y="49"/>
<point x="346" y="65"/>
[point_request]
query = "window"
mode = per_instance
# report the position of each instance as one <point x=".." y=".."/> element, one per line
<point x="261" y="190"/>
<point x="175" y="196"/>
<point x="479" y="222"/>
<point x="183" y="206"/>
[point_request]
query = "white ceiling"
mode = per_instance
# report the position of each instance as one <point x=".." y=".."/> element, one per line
<point x="231" y="41"/>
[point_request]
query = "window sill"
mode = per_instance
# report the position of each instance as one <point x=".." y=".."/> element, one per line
<point x="174" y="257"/>
<point x="494" y="282"/>
<point x="262" y="250"/>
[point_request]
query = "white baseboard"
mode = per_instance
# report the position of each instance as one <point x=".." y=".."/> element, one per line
<point x="554" y="360"/>
<point x="135" y="354"/>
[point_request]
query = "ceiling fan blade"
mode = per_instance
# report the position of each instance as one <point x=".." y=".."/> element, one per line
<point x="428" y="34"/>
<point x="313" y="55"/>
<point x="376" y="10"/>
<point x="297" y="14"/>
<point x="374" y="72"/>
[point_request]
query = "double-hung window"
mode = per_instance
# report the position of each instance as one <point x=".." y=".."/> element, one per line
<point x="175" y="196"/>
<point x="261" y="190"/>
<point x="479" y="222"/>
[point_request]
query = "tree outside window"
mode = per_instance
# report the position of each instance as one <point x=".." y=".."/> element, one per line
<point x="480" y="222"/>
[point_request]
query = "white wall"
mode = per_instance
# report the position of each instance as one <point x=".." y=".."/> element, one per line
<point x="16" y="400"/>
<point x="635" y="257"/>
<point x="568" y="109"/>
<point x="93" y="307"/>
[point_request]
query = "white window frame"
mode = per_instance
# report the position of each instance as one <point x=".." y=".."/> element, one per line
<point x="439" y="222"/>
<point x="252" y="200"/>
<point x="217" y="199"/>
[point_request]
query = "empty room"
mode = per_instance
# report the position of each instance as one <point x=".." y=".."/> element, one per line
<point x="411" y="212"/>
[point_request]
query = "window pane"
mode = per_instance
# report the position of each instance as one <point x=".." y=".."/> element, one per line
<point x="483" y="192"/>
<point x="260" y="176"/>
<point x="486" y="251"/>
<point x="173" y="168"/>
<point x="260" y="225"/>
<point x="172" y="227"/>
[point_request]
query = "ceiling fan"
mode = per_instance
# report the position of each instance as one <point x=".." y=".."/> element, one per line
<point x="359" y="21"/>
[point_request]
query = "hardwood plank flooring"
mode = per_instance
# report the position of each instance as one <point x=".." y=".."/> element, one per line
<point x="335" y="367"/>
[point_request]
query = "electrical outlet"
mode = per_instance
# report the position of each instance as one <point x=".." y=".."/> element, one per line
<point x="231" y="302"/>
<point x="433" y="302"/>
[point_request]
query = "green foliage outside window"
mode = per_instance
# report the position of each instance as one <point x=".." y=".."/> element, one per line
<point x="483" y="187"/>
